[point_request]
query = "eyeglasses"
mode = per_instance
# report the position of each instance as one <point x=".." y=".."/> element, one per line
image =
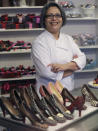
<point x="51" y="16"/>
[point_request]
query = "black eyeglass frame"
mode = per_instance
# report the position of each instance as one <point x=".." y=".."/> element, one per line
<point x="51" y="16"/>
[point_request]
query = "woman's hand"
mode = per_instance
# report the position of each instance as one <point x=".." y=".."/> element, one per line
<point x="58" y="67"/>
<point x="72" y="66"/>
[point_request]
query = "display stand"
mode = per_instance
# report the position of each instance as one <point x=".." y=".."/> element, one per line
<point x="86" y="123"/>
<point x="88" y="114"/>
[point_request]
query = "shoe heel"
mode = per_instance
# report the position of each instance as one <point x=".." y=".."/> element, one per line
<point x="24" y="119"/>
<point x="84" y="97"/>
<point x="77" y="104"/>
<point x="2" y="108"/>
<point x="64" y="102"/>
<point x="80" y="112"/>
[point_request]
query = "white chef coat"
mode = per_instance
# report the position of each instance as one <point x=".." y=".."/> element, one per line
<point x="46" y="50"/>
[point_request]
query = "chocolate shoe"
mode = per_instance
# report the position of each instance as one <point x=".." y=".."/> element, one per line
<point x="31" y="103"/>
<point x="22" y="107"/>
<point x="41" y="107"/>
<point x="7" y="106"/>
<point x="67" y="114"/>
<point x="50" y="99"/>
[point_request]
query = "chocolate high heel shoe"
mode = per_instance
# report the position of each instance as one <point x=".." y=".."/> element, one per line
<point x="67" y="114"/>
<point x="55" y="91"/>
<point x="87" y="93"/>
<point x="77" y="104"/>
<point x="22" y="107"/>
<point x="46" y="109"/>
<point x="66" y="94"/>
<point x="42" y="105"/>
<point x="50" y="99"/>
<point x="7" y="107"/>
<point x="31" y="103"/>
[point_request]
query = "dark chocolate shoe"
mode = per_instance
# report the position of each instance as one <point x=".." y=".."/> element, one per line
<point x="50" y="99"/>
<point x="67" y="114"/>
<point x="41" y="108"/>
<point x="22" y="107"/>
<point x="8" y="107"/>
<point x="31" y="104"/>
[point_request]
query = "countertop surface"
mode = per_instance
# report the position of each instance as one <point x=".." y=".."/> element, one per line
<point x="87" y="122"/>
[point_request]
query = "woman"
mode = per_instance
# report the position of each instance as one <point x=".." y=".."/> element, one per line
<point x="55" y="54"/>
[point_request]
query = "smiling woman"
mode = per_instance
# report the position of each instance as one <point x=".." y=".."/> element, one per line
<point x="55" y="54"/>
<point x="53" y="21"/>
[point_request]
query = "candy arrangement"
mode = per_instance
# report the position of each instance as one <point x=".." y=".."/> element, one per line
<point x="9" y="45"/>
<point x="85" y="39"/>
<point x="14" y="72"/>
<point x="20" y="21"/>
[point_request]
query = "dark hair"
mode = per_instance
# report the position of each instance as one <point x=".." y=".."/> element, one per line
<point x="44" y="11"/>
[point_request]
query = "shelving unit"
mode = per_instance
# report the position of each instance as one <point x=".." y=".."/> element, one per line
<point x="74" y="25"/>
<point x="81" y="26"/>
<point x="19" y="56"/>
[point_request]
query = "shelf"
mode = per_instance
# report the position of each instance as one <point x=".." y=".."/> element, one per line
<point x="18" y="51"/>
<point x="88" y="71"/>
<point x="83" y="18"/>
<point x="23" y="51"/>
<point x="21" y="7"/>
<point x="89" y="47"/>
<point x="4" y="95"/>
<point x="29" y="77"/>
<point x="17" y="30"/>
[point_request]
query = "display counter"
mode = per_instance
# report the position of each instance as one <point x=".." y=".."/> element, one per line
<point x="87" y="122"/>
